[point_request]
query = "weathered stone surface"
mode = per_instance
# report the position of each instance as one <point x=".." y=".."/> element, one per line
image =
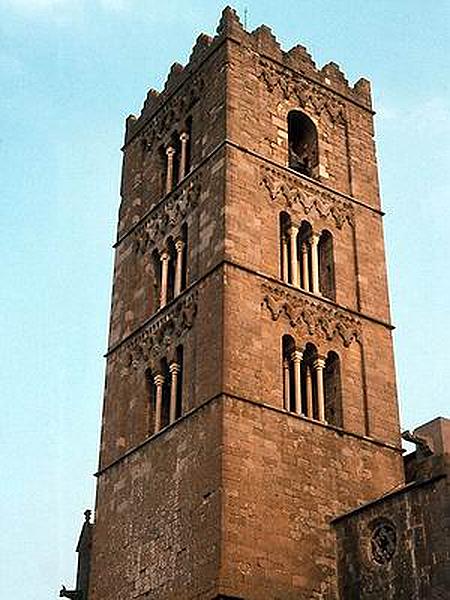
<point x="235" y="499"/>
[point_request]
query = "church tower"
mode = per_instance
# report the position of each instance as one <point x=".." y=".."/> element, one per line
<point x="250" y="389"/>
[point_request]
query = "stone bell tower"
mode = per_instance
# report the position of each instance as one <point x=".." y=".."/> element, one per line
<point x="250" y="389"/>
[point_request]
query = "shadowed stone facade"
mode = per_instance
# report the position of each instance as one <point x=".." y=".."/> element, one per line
<point x="250" y="396"/>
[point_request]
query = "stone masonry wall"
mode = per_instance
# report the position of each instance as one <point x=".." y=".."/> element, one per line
<point x="418" y="567"/>
<point x="284" y="479"/>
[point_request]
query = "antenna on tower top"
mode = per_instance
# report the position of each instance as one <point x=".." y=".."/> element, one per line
<point x="245" y="17"/>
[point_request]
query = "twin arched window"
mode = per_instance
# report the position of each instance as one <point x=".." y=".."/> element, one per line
<point x="311" y="383"/>
<point x="306" y="257"/>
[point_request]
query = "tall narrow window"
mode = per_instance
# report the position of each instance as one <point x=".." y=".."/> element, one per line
<point x="171" y="270"/>
<point x="179" y="401"/>
<point x="285" y="251"/>
<point x="305" y="256"/>
<point x="303" y="148"/>
<point x="288" y="348"/>
<point x="156" y="281"/>
<point x="176" y="145"/>
<point x="151" y="390"/>
<point x="188" y="131"/>
<point x="309" y="382"/>
<point x="332" y="387"/>
<point x="165" y="407"/>
<point x="326" y="266"/>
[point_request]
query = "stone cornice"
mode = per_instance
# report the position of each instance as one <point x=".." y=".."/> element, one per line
<point x="224" y="396"/>
<point x="314" y="317"/>
<point x="293" y="192"/>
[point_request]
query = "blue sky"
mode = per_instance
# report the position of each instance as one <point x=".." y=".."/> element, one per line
<point x="70" y="72"/>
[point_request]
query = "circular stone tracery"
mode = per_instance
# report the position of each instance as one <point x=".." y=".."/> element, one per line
<point x="383" y="542"/>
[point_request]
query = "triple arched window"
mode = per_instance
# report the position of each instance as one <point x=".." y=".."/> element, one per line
<point x="166" y="388"/>
<point x="311" y="382"/>
<point x="306" y="257"/>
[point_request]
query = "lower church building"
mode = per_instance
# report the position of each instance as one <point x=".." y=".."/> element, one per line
<point x="251" y="445"/>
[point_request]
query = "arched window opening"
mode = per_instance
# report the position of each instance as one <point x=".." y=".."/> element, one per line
<point x="332" y="390"/>
<point x="288" y="348"/>
<point x="302" y="140"/>
<point x="171" y="269"/>
<point x="309" y="382"/>
<point x="151" y="394"/>
<point x="166" y="388"/>
<point x="184" y="257"/>
<point x="305" y="256"/>
<point x="175" y="143"/>
<point x="187" y="140"/>
<point x="179" y="383"/>
<point x="156" y="281"/>
<point x="285" y="250"/>
<point x="326" y="265"/>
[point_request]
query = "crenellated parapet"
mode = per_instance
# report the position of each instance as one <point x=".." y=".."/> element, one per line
<point x="275" y="65"/>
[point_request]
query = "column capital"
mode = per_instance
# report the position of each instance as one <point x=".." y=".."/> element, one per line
<point x="292" y="230"/>
<point x="319" y="362"/>
<point x="158" y="379"/>
<point x="184" y="136"/>
<point x="304" y="247"/>
<point x="297" y="356"/>
<point x="164" y="255"/>
<point x="170" y="150"/>
<point x="174" y="367"/>
<point x="179" y="245"/>
<point x="315" y="237"/>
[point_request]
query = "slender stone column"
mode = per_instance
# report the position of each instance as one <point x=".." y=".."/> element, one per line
<point x="315" y="262"/>
<point x="293" y="231"/>
<point x="159" y="382"/>
<point x="174" y="370"/>
<point x="169" y="169"/>
<point x="319" y="365"/>
<point x="287" y="385"/>
<point x="284" y="258"/>
<point x="183" y="157"/>
<point x="297" y="359"/>
<point x="305" y="266"/>
<point x="309" y="394"/>
<point x="179" y="247"/>
<point x="165" y="257"/>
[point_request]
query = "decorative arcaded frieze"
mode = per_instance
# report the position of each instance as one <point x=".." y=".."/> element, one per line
<point x="316" y="99"/>
<point x="318" y="318"/>
<point x="168" y="218"/>
<point x="291" y="192"/>
<point x="160" y="337"/>
<point x="172" y="111"/>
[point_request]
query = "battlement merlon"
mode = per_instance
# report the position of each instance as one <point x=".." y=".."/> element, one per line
<point x="263" y="42"/>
